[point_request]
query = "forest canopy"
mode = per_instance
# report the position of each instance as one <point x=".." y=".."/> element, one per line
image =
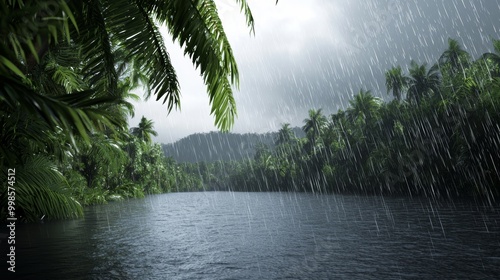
<point x="68" y="69"/>
<point x="439" y="137"/>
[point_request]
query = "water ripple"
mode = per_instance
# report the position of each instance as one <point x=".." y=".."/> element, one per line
<point x="266" y="236"/>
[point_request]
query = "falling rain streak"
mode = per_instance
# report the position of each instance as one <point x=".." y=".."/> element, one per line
<point x="367" y="142"/>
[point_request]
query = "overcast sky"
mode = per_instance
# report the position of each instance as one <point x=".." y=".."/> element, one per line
<point x="318" y="54"/>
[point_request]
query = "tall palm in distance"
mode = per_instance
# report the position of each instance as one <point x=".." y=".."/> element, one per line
<point x="364" y="107"/>
<point x="455" y="56"/>
<point x="422" y="82"/>
<point x="314" y="125"/>
<point x="396" y="82"/>
<point x="144" y="130"/>
<point x="494" y="57"/>
<point x="285" y="135"/>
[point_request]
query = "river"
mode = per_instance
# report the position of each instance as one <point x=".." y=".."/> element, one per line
<point x="227" y="235"/>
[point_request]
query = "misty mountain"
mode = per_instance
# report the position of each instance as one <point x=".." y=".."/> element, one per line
<point x="214" y="146"/>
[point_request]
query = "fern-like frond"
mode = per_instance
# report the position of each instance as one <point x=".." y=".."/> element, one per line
<point x="76" y="112"/>
<point x="198" y="29"/>
<point x="96" y="46"/>
<point x="40" y="192"/>
<point x="28" y="27"/>
<point x="136" y="31"/>
<point x="245" y="9"/>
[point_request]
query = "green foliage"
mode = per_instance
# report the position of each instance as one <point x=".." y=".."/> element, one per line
<point x="455" y="57"/>
<point x="364" y="108"/>
<point x="422" y="82"/>
<point x="67" y="69"/>
<point x="41" y="192"/>
<point x="144" y="130"/>
<point x="285" y="135"/>
<point x="447" y="146"/>
<point x="313" y="126"/>
<point x="396" y="82"/>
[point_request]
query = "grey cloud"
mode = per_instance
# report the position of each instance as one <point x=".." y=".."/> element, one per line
<point x="338" y="48"/>
<point x="377" y="35"/>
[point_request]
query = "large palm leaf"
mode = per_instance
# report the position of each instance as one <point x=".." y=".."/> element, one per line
<point x="41" y="192"/>
<point x="76" y="112"/>
<point x="133" y="25"/>
<point x="98" y="28"/>
<point x="198" y="29"/>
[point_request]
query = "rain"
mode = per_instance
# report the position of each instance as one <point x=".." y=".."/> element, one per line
<point x="365" y="143"/>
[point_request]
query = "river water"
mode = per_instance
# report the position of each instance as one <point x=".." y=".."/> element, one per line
<point x="225" y="235"/>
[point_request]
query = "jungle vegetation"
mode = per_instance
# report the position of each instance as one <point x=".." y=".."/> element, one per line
<point x="67" y="71"/>
<point x="438" y="137"/>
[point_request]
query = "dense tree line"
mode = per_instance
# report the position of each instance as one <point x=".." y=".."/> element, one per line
<point x="67" y="72"/>
<point x="438" y="137"/>
<point x="218" y="146"/>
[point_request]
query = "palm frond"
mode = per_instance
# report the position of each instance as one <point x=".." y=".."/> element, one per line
<point x="136" y="31"/>
<point x="73" y="112"/>
<point x="198" y="29"/>
<point x="248" y="14"/>
<point x="24" y="43"/>
<point x="40" y="191"/>
<point x="96" y="46"/>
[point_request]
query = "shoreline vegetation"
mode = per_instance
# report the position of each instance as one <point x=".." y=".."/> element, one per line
<point x="68" y="70"/>
<point x="68" y="73"/>
<point x="438" y="138"/>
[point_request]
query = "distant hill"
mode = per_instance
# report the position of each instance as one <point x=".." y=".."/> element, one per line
<point x="214" y="146"/>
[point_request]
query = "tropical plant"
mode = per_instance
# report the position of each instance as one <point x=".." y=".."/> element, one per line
<point x="494" y="57"/>
<point x="144" y="130"/>
<point x="363" y="108"/>
<point x="98" y="160"/>
<point x="422" y="82"/>
<point x="41" y="192"/>
<point x="97" y="28"/>
<point x="455" y="56"/>
<point x="285" y="135"/>
<point x="314" y="125"/>
<point x="396" y="82"/>
<point x="68" y="66"/>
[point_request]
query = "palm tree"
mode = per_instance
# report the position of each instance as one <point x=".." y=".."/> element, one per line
<point x="314" y="125"/>
<point x="144" y="130"/>
<point x="455" y="56"/>
<point x="98" y="28"/>
<point x="364" y="107"/>
<point x="336" y="133"/>
<point x="396" y="81"/>
<point x="285" y="135"/>
<point x="494" y="57"/>
<point x="99" y="158"/>
<point x="422" y="82"/>
<point x="61" y="67"/>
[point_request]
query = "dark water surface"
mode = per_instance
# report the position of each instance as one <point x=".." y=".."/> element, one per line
<point x="223" y="235"/>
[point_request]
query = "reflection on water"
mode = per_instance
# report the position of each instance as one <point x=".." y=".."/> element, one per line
<point x="223" y="235"/>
